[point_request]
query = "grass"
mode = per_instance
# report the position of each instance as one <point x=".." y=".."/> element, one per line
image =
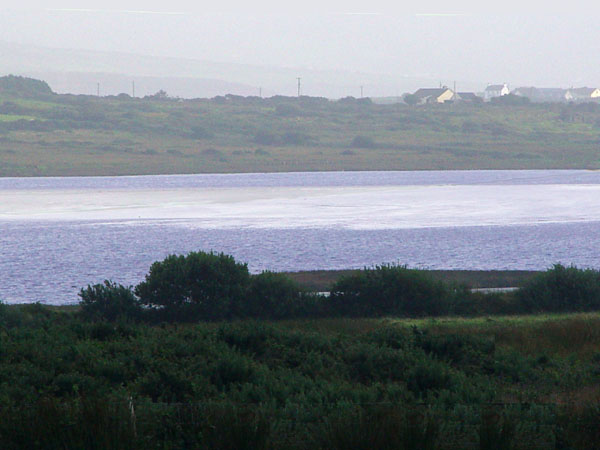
<point x="14" y="117"/>
<point x="110" y="136"/>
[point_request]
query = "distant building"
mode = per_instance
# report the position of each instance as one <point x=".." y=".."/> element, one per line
<point x="495" y="90"/>
<point x="541" y="95"/>
<point x="469" y="97"/>
<point x="583" y="94"/>
<point x="434" y="95"/>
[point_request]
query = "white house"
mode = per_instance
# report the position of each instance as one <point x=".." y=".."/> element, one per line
<point x="434" y="95"/>
<point x="495" y="90"/>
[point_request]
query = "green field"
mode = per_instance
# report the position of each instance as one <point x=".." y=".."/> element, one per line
<point x="85" y="135"/>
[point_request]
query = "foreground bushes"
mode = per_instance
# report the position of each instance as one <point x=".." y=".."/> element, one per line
<point x="68" y="383"/>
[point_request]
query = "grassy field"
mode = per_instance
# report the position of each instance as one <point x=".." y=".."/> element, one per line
<point x="83" y="135"/>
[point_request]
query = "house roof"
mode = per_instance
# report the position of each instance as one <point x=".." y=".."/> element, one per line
<point x="430" y="92"/>
<point x="586" y="91"/>
<point x="495" y="87"/>
<point x="534" y="92"/>
<point x="468" y="95"/>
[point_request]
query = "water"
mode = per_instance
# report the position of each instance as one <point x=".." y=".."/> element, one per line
<point x="59" y="234"/>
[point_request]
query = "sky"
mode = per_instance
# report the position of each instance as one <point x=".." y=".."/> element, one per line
<point x="521" y="44"/>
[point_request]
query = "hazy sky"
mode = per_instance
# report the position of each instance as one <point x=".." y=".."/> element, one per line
<point x="519" y="44"/>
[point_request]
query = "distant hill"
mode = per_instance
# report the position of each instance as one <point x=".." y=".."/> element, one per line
<point x="78" y="71"/>
<point x="114" y="84"/>
<point x="24" y="87"/>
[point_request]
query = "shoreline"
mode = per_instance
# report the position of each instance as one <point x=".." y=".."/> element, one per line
<point x="322" y="280"/>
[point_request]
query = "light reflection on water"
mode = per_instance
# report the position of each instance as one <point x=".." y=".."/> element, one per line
<point x="533" y="219"/>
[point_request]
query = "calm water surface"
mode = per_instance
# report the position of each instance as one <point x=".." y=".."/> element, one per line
<point x="58" y="234"/>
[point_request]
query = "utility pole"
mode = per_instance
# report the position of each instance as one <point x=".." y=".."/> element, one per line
<point x="299" y="86"/>
<point x="361" y="92"/>
<point x="260" y="92"/>
<point x="98" y="89"/>
<point x="133" y="89"/>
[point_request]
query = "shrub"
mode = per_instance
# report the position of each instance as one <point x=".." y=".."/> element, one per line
<point x="378" y="427"/>
<point x="109" y="301"/>
<point x="271" y="295"/>
<point x="561" y="289"/>
<point x="363" y="142"/>
<point x="200" y="132"/>
<point x="287" y="110"/>
<point x="193" y="286"/>
<point x="266" y="138"/>
<point x="389" y="289"/>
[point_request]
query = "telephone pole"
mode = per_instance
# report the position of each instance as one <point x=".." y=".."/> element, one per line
<point x="299" y="86"/>
<point x="98" y="89"/>
<point x="361" y="92"/>
<point x="133" y="89"/>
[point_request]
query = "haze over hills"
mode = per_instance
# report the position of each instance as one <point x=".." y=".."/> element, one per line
<point x="79" y="71"/>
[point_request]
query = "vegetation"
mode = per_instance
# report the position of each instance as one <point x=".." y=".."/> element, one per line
<point x="562" y="289"/>
<point x="323" y="280"/>
<point x="48" y="134"/>
<point x="135" y="367"/>
<point x="511" y="382"/>
<point x="197" y="285"/>
<point x="210" y="286"/>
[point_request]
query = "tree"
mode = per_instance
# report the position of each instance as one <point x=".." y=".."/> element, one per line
<point x="109" y="301"/>
<point x="198" y="285"/>
<point x="271" y="295"/>
<point x="390" y="290"/>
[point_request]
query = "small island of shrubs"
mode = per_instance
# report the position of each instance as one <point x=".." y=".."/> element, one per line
<point x="208" y="286"/>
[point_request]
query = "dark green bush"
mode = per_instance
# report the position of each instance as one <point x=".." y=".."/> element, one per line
<point x="272" y="296"/>
<point x="378" y="427"/>
<point x="363" y="142"/>
<point x="561" y="289"/>
<point x="391" y="290"/>
<point x="109" y="301"/>
<point x="195" y="286"/>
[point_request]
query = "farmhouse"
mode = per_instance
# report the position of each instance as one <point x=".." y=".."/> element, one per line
<point x="434" y="95"/>
<point x="495" y="90"/>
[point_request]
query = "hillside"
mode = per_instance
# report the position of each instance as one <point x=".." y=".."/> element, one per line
<point x="51" y="134"/>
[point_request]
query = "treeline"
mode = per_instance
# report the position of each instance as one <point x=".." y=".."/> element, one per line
<point x="204" y="286"/>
